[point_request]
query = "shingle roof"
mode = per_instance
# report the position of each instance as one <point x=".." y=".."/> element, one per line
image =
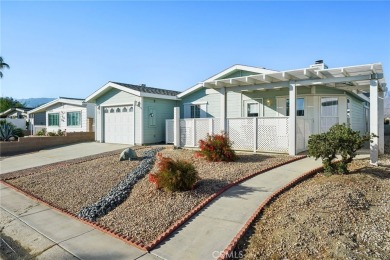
<point x="145" y="89"/>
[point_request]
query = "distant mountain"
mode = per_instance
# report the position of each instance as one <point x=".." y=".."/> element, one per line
<point x="34" y="102"/>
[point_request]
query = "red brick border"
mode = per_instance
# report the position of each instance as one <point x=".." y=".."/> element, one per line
<point x="229" y="249"/>
<point x="166" y="233"/>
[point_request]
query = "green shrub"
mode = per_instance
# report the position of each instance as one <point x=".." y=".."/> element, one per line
<point x="60" y="132"/>
<point x="173" y="175"/>
<point x="18" y="132"/>
<point x="42" y="132"/>
<point x="339" y="140"/>
<point x="216" y="148"/>
<point x="51" y="134"/>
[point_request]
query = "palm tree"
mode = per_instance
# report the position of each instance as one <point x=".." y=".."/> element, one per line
<point x="2" y="66"/>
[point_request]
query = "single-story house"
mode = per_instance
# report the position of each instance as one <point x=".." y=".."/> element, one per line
<point x="63" y="113"/>
<point x="132" y="114"/>
<point x="17" y="116"/>
<point x="16" y="112"/>
<point x="253" y="106"/>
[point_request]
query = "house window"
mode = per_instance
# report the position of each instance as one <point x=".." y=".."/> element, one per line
<point x="195" y="111"/>
<point x="300" y="105"/>
<point x="252" y="109"/>
<point x="329" y="107"/>
<point x="73" y="118"/>
<point x="54" y="119"/>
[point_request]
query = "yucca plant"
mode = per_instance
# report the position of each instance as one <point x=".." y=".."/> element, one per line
<point x="6" y="132"/>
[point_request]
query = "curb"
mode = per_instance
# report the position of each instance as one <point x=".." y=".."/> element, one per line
<point x="229" y="249"/>
<point x="129" y="240"/>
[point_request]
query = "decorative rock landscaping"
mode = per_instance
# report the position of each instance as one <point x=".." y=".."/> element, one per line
<point x="120" y="192"/>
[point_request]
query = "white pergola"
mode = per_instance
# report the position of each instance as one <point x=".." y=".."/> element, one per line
<point x="359" y="79"/>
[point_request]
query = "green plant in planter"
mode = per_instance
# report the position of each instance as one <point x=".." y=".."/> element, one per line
<point x="339" y="140"/>
<point x="42" y="132"/>
<point x="6" y="132"/>
<point x="18" y="132"/>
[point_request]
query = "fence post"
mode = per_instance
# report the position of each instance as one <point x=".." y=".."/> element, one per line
<point x="211" y="129"/>
<point x="254" y="134"/>
<point x="193" y="132"/>
<point x="176" y="126"/>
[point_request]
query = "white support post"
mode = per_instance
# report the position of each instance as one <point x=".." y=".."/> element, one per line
<point x="211" y="129"/>
<point x="292" y="119"/>
<point x="176" y="126"/>
<point x="381" y="117"/>
<point x="254" y="134"/>
<point x="193" y="133"/>
<point x="374" y="126"/>
<point x="223" y="109"/>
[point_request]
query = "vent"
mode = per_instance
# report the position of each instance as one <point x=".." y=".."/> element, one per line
<point x="319" y="64"/>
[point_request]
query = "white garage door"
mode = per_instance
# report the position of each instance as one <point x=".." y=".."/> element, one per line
<point x="119" y="125"/>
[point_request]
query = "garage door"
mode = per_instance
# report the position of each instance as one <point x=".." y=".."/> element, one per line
<point x="119" y="125"/>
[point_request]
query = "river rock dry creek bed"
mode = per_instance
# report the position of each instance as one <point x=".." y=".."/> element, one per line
<point x="147" y="212"/>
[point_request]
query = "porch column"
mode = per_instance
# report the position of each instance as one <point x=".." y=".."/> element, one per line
<point x="374" y="124"/>
<point x="176" y="126"/>
<point x="292" y="119"/>
<point x="223" y="109"/>
<point x="381" y="117"/>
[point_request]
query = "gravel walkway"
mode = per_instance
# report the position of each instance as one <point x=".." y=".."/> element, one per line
<point x="148" y="212"/>
<point x="336" y="217"/>
<point x="77" y="185"/>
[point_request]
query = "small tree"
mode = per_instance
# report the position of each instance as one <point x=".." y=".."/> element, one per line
<point x="339" y="140"/>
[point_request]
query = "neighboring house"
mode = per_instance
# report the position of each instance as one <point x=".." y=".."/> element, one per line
<point x="70" y="114"/>
<point x="132" y="114"/>
<point x="16" y="112"/>
<point x="17" y="116"/>
<point x="253" y="106"/>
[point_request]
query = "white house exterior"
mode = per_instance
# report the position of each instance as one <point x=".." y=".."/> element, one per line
<point x="252" y="105"/>
<point x="65" y="114"/>
<point x="132" y="114"/>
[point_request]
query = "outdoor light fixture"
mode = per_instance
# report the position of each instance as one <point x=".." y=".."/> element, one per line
<point x="268" y="102"/>
<point x="151" y="114"/>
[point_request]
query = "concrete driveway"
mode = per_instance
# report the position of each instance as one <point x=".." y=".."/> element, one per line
<point x="58" y="154"/>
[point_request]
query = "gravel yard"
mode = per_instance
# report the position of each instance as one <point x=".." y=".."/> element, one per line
<point x="338" y="217"/>
<point x="77" y="185"/>
<point x="148" y="212"/>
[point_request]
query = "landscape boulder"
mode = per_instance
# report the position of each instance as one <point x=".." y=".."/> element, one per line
<point x="128" y="154"/>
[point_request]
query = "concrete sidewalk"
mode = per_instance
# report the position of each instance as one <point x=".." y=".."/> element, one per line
<point x="49" y="234"/>
<point x="57" y="154"/>
<point x="53" y="235"/>
<point x="207" y="234"/>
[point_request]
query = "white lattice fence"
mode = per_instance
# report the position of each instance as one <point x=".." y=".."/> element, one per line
<point x="186" y="132"/>
<point x="272" y="134"/>
<point x="241" y="133"/>
<point x="202" y="128"/>
<point x="169" y="131"/>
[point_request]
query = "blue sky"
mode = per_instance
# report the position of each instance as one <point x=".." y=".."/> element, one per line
<point x="72" y="48"/>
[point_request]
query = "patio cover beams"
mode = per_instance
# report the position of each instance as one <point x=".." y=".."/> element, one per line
<point x="358" y="79"/>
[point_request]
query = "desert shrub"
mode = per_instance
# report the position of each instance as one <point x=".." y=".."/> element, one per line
<point x="60" y="132"/>
<point x="216" y="148"/>
<point x="339" y="140"/>
<point x="4" y="122"/>
<point x="42" y="132"/>
<point x="18" y="132"/>
<point x="51" y="133"/>
<point x="173" y="175"/>
<point x="6" y="132"/>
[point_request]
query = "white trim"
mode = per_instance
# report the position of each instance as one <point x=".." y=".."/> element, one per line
<point x="141" y="125"/>
<point x="92" y="98"/>
<point x="224" y="72"/>
<point x="44" y="107"/>
<point x="196" y="103"/>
